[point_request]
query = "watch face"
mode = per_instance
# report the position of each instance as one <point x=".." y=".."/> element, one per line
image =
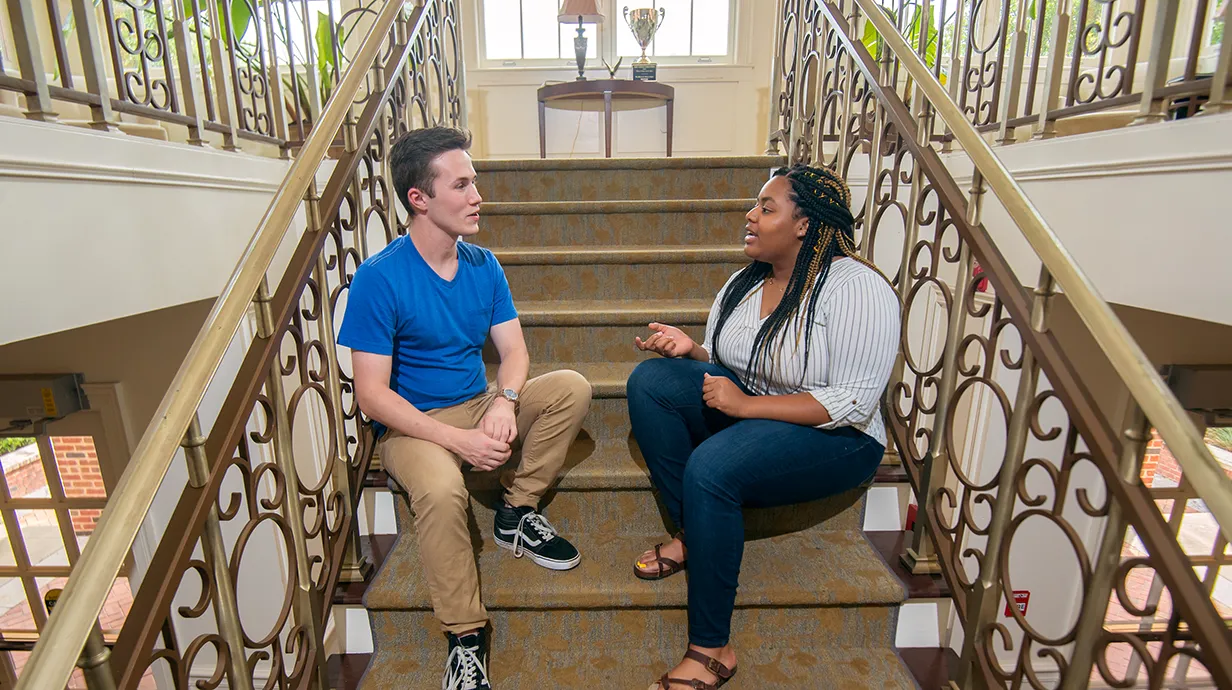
<point x="510" y="394"/>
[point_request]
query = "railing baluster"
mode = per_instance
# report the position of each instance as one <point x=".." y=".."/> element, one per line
<point x="983" y="600"/>
<point x="213" y="547"/>
<point x="776" y="84"/>
<point x="1014" y="69"/>
<point x="30" y="60"/>
<point x="1153" y="107"/>
<point x="59" y="44"/>
<point x="355" y="566"/>
<point x="89" y="41"/>
<point x="1056" y="64"/>
<point x="306" y="605"/>
<point x="226" y="115"/>
<point x="1221" y="97"/>
<point x="188" y="75"/>
<point x="274" y="77"/>
<point x="1107" y="559"/>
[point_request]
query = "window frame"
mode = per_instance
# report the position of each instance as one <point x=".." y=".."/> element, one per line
<point x="606" y="43"/>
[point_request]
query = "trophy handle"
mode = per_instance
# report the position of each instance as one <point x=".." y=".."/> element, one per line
<point x="627" y="16"/>
<point x="662" y="14"/>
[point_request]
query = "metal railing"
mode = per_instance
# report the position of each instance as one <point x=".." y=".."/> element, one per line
<point x="1006" y="447"/>
<point x="286" y="452"/>
<point x="227" y="70"/>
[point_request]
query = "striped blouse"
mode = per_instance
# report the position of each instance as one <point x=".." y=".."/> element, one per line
<point x="854" y="345"/>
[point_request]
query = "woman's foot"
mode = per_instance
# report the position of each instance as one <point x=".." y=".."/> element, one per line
<point x="651" y="566"/>
<point x="692" y="669"/>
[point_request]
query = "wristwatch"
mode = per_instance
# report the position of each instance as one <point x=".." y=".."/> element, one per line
<point x="511" y="395"/>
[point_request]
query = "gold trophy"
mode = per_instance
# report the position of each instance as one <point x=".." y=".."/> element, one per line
<point x="644" y="22"/>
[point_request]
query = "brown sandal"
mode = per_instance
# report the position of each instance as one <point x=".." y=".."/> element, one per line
<point x="712" y="665"/>
<point x="667" y="566"/>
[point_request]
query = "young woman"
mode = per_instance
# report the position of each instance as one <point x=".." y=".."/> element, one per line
<point x="779" y="405"/>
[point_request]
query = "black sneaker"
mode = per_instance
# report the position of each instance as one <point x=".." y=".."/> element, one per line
<point x="467" y="667"/>
<point x="525" y="531"/>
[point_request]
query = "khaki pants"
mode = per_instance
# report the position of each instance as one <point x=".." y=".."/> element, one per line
<point x="550" y="413"/>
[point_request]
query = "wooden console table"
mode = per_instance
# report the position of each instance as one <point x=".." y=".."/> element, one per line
<point x="603" y="88"/>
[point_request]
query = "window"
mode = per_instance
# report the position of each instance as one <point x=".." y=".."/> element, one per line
<point x="528" y="30"/>
<point x="690" y="28"/>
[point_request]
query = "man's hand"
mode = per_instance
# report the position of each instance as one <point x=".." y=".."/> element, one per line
<point x="667" y="341"/>
<point x="499" y="422"/>
<point x="723" y="395"/>
<point x="479" y="450"/>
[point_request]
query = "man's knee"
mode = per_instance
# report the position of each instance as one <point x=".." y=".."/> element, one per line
<point x="430" y="475"/>
<point x="569" y="389"/>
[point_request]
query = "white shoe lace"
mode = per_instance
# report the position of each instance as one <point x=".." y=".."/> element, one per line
<point x="465" y="671"/>
<point x="539" y="524"/>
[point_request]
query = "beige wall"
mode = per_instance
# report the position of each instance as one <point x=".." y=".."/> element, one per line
<point x="140" y="352"/>
<point x="720" y="109"/>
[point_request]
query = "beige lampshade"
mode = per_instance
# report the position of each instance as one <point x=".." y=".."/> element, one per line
<point x="588" y="10"/>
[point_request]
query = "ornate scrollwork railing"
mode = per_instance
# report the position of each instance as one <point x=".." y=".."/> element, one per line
<point x="1009" y="454"/>
<point x="275" y="473"/>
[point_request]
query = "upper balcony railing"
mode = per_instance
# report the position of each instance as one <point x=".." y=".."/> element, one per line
<point x="220" y="71"/>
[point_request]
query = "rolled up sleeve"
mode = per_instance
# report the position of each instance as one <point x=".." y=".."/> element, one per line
<point x="861" y="339"/>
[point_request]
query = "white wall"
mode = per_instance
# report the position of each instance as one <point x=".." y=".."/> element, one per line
<point x="98" y="227"/>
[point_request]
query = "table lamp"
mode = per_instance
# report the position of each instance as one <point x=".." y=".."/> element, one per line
<point x="580" y="11"/>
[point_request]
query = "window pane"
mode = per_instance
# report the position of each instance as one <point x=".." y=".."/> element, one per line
<point x="568" y="32"/>
<point x="540" y="30"/>
<point x="501" y="40"/>
<point x="710" y="22"/>
<point x="672" y="38"/>
<point x="626" y="45"/>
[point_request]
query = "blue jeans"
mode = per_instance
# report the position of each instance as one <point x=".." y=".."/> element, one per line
<point x="707" y="466"/>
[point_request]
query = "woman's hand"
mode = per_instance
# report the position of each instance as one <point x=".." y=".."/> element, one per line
<point x="667" y="341"/>
<point x="724" y="395"/>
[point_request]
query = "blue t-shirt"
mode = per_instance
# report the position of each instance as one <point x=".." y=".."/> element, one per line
<point x="434" y="329"/>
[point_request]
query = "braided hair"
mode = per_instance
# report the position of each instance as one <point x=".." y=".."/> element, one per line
<point x="824" y="198"/>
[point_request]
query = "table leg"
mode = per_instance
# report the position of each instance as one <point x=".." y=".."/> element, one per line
<point x="543" y="131"/>
<point x="670" y="108"/>
<point x="607" y="122"/>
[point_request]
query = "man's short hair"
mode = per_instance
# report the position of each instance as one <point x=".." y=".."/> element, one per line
<point x="412" y="155"/>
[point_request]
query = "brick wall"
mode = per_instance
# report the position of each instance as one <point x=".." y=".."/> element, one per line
<point x="80" y="475"/>
<point x="1159" y="462"/>
<point x="24" y="477"/>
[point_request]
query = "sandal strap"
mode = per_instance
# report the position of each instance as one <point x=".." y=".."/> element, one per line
<point x="666" y="565"/>
<point x="712" y="665"/>
<point x="693" y="684"/>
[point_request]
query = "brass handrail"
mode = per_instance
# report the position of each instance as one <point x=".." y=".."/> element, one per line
<point x="51" y="663"/>
<point x="1135" y="369"/>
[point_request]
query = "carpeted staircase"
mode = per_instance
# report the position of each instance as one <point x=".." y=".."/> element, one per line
<point x="594" y="250"/>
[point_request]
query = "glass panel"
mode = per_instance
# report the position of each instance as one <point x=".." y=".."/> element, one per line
<point x="77" y="463"/>
<point x="568" y="32"/>
<point x="40" y="531"/>
<point x="14" y="609"/>
<point x="540" y="30"/>
<point x="23" y="470"/>
<point x="502" y="36"/>
<point x="672" y="38"/>
<point x="626" y="45"/>
<point x="710" y="25"/>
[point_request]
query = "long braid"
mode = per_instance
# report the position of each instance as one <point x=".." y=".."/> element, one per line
<point x="824" y="198"/>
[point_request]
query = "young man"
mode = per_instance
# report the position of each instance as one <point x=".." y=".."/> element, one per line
<point x="417" y="316"/>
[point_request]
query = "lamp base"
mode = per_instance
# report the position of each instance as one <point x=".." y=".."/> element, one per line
<point x="579" y="50"/>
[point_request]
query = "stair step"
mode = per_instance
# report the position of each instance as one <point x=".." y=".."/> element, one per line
<point x="930" y="668"/>
<point x="613" y="223"/>
<point x="623" y="178"/>
<point x="646" y="281"/>
<point x="612" y="312"/>
<point x="607" y="379"/>
<point x="779" y="649"/>
<point x="623" y="255"/>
